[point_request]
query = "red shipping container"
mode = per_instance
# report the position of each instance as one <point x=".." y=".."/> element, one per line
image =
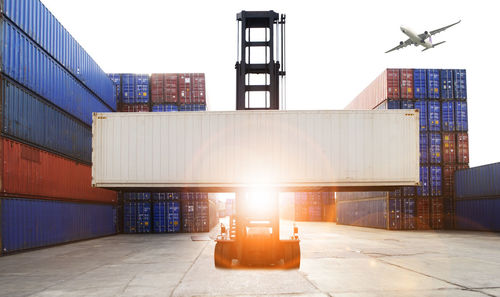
<point x="157" y="88"/>
<point x="437" y="215"/>
<point x="463" y="148"/>
<point x="448" y="179"/>
<point x="406" y="86"/>
<point x="171" y="91"/>
<point x="423" y="213"/>
<point x="198" y="92"/>
<point x="185" y="87"/>
<point x="449" y="148"/>
<point x="32" y="173"/>
<point x="134" y="108"/>
<point x="382" y="88"/>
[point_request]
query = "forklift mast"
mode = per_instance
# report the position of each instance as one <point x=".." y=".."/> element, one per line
<point x="261" y="61"/>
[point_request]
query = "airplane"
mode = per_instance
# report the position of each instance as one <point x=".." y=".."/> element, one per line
<point x="420" y="39"/>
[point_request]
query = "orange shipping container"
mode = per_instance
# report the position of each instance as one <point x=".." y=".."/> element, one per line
<point x="30" y="172"/>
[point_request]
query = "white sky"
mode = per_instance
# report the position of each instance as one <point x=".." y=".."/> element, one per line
<point x="334" y="48"/>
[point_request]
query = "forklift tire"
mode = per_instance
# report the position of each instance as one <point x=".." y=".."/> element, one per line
<point x="222" y="255"/>
<point x="292" y="255"/>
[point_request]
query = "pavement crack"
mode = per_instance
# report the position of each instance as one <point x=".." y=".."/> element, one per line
<point x="189" y="269"/>
<point x="465" y="288"/>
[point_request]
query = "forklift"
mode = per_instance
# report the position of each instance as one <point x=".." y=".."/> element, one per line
<point x="253" y="235"/>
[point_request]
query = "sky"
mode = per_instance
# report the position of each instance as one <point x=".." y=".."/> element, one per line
<point x="334" y="48"/>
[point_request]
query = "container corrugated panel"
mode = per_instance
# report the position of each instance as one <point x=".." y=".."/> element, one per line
<point x="372" y="95"/>
<point x="166" y="212"/>
<point x="137" y="212"/>
<point x="407" y="104"/>
<point x="463" y="148"/>
<point x="461" y="123"/>
<point x="435" y="147"/>
<point x="142" y="88"/>
<point x="28" y="171"/>
<point x="434" y="115"/>
<point x="437" y="214"/>
<point x="199" y="91"/>
<point x="446" y="79"/>
<point x="29" y="118"/>
<point x="315" y="213"/>
<point x="393" y="91"/>
<point x="29" y="223"/>
<point x="193" y="107"/>
<point x="201" y="219"/>
<point x="135" y="88"/>
<point x="436" y="181"/>
<point x="459" y="84"/>
<point x="409" y="214"/>
<point x="116" y="79"/>
<point x="395" y="213"/>
<point x="184" y="84"/>
<point x="406" y="83"/>
<point x="478" y="182"/>
<point x="423" y="213"/>
<point x="29" y="65"/>
<point x="203" y="162"/>
<point x="421" y="105"/>
<point x="448" y="180"/>
<point x="364" y="213"/>
<point x="409" y="191"/>
<point x="40" y="25"/>
<point x="424" y="147"/>
<point x="423" y="189"/>
<point x="420" y="83"/>
<point x="449" y="148"/>
<point x="157" y="88"/>
<point x="478" y="214"/>
<point x="433" y="83"/>
<point x="188" y="208"/>
<point x="164" y="108"/>
<point x="448" y="115"/>
<point x="133" y="108"/>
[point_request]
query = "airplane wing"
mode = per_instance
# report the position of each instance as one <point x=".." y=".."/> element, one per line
<point x="401" y="45"/>
<point x="433" y="32"/>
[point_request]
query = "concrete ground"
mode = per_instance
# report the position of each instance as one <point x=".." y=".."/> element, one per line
<point x="336" y="261"/>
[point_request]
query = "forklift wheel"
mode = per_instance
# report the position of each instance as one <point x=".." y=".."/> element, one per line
<point x="222" y="255"/>
<point x="292" y="255"/>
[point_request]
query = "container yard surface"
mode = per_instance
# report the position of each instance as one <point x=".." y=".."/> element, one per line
<point x="336" y="261"/>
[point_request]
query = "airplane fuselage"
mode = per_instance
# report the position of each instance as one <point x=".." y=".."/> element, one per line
<point x="414" y="37"/>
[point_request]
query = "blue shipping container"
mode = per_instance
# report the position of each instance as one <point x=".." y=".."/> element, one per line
<point x="29" y="223"/>
<point x="424" y="148"/>
<point x="40" y="25"/>
<point x="435" y="147"/>
<point x="461" y="123"/>
<point x="459" y="84"/>
<point x="135" y="88"/>
<point x="448" y="116"/>
<point x="31" y="119"/>
<point x="363" y="213"/>
<point x="27" y="64"/>
<point x="193" y="107"/>
<point x="409" y="214"/>
<point x="137" y="212"/>
<point x="421" y="105"/>
<point x="116" y="79"/>
<point x="395" y="214"/>
<point x="478" y="182"/>
<point x="407" y="104"/>
<point x="166" y="216"/>
<point x="434" y="115"/>
<point x="391" y="104"/>
<point x="436" y="180"/>
<point x="420" y="83"/>
<point x="446" y="80"/>
<point x="423" y="189"/>
<point x="478" y="214"/>
<point x="408" y="191"/>
<point x="165" y="108"/>
<point x="433" y="83"/>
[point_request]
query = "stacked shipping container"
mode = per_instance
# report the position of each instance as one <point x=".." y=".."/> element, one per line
<point x="440" y="96"/>
<point x="160" y="92"/>
<point x="314" y="206"/>
<point x="49" y="87"/>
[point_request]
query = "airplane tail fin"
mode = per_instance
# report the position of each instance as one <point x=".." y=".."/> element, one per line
<point x="433" y="46"/>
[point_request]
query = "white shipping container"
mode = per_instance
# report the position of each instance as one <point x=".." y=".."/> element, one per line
<point x="226" y="150"/>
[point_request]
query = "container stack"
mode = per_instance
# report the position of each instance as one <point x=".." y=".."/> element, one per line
<point x="49" y="87"/>
<point x="477" y="193"/>
<point x="160" y="92"/>
<point x="440" y="95"/>
<point x="314" y="206"/>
